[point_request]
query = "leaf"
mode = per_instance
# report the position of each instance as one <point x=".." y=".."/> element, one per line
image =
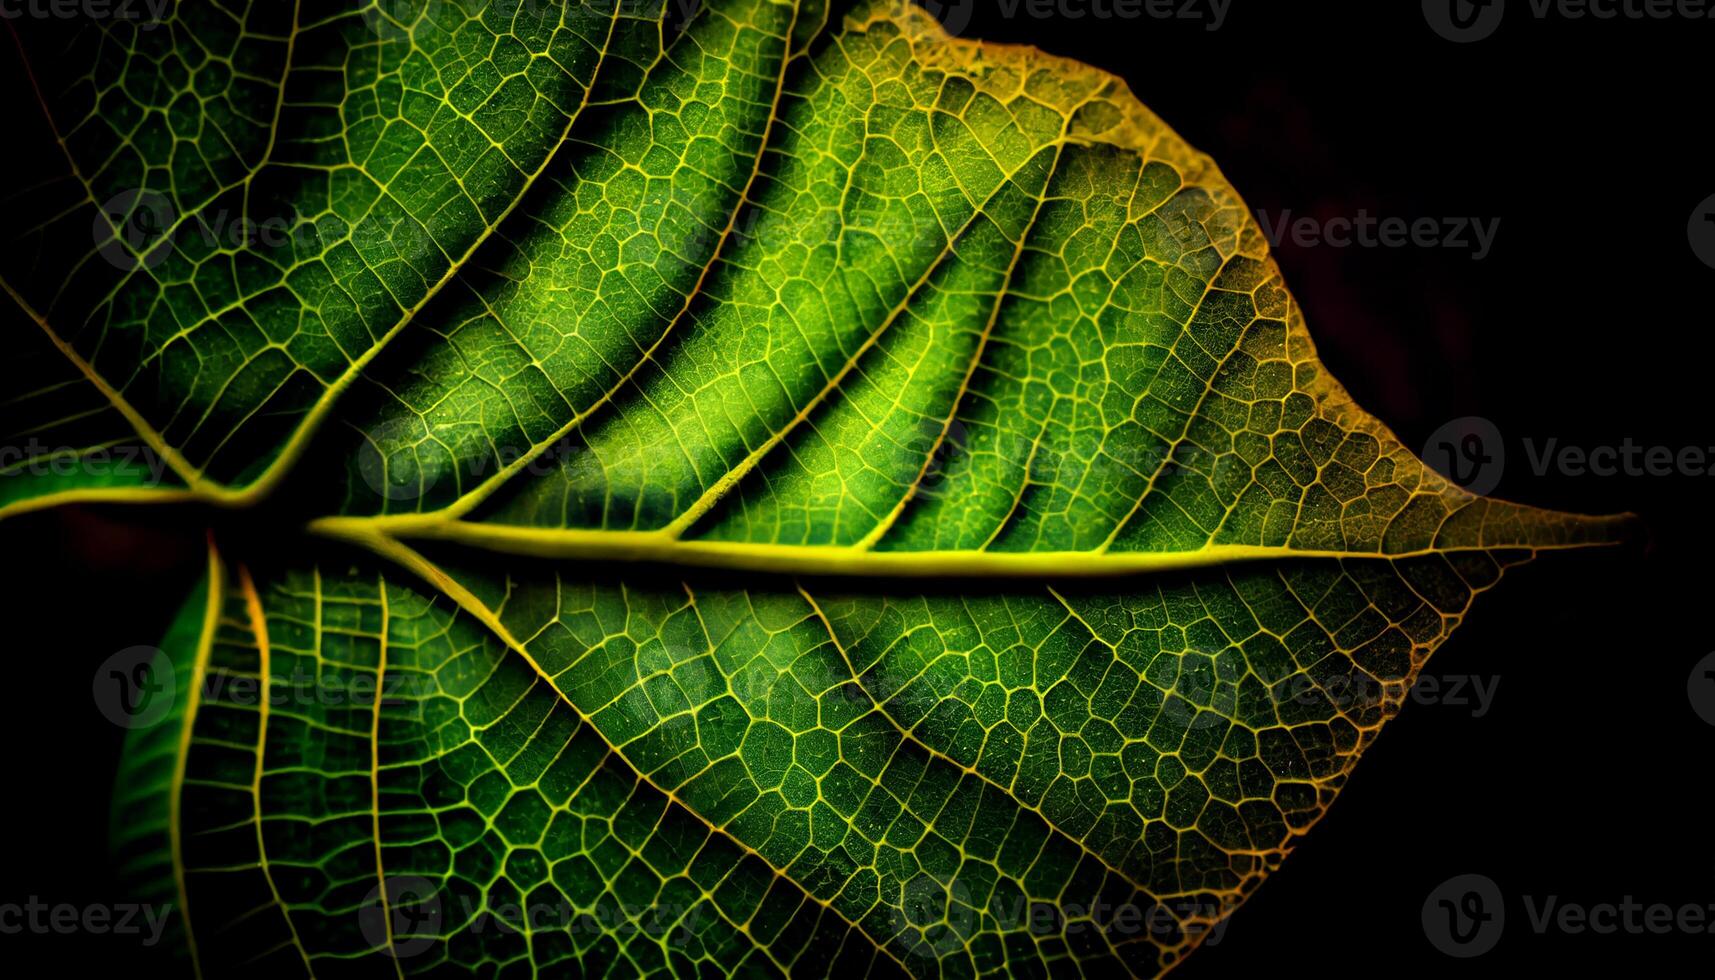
<point x="1017" y="315"/>
<point x="787" y="492"/>
<point x="64" y="440"/>
<point x="275" y="193"/>
<point x="673" y="773"/>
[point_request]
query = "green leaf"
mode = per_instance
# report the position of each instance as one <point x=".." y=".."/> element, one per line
<point x="276" y="190"/>
<point x="61" y="439"/>
<point x="786" y="492"/>
<point x="685" y="773"/>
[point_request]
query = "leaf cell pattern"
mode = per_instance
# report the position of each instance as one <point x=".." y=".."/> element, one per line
<point x="787" y="492"/>
<point x="664" y="773"/>
<point x="282" y="188"/>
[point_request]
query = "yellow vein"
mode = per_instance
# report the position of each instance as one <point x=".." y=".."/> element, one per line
<point x="259" y="629"/>
<point x="1184" y="437"/>
<point x="937" y="754"/>
<point x="375" y="770"/>
<point x="181" y="760"/>
<point x="658" y="547"/>
<point x="434" y="575"/>
<point x="279" y="105"/>
<point x="703" y="504"/>
<point x="98" y="495"/>
<point x="298" y="442"/>
<point x="145" y="431"/>
<point x="886" y="524"/>
<point x="483" y="490"/>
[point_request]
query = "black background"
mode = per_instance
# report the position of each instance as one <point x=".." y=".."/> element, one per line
<point x="1589" y="777"/>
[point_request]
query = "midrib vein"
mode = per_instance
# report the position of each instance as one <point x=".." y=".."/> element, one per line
<point x="657" y="547"/>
